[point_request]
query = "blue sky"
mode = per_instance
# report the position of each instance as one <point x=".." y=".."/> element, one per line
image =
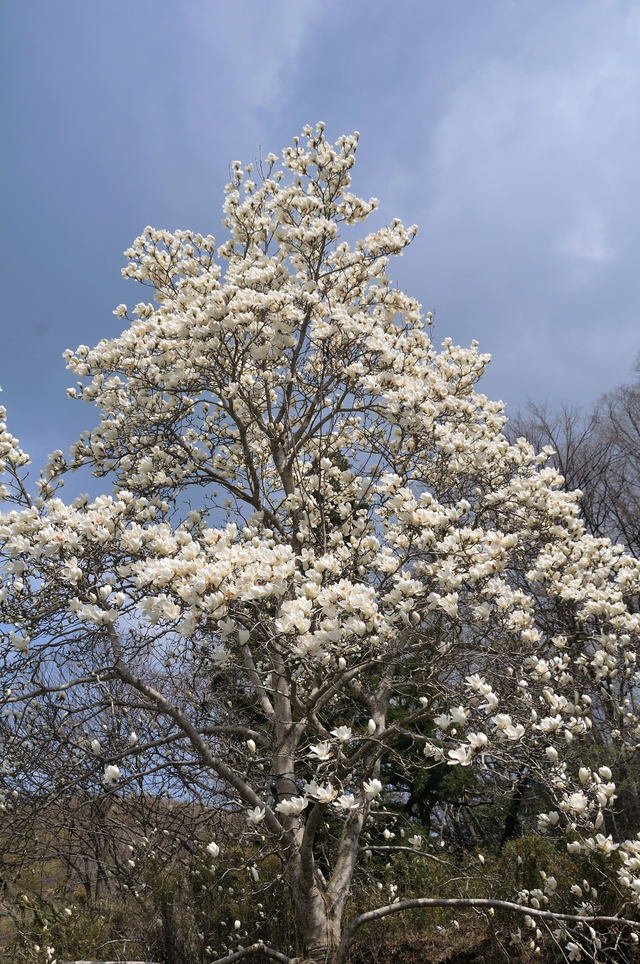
<point x="509" y="130"/>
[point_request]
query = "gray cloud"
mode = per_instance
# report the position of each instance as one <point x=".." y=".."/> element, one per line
<point x="508" y="130"/>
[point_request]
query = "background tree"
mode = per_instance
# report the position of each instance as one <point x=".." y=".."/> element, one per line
<point x="321" y="556"/>
<point x="598" y="453"/>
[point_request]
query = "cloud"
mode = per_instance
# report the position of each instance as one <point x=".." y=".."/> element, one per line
<point x="508" y="129"/>
<point x="239" y="57"/>
<point x="531" y="202"/>
<point x="586" y="240"/>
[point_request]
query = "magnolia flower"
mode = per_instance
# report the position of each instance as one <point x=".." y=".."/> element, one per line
<point x="133" y="738"/>
<point x="372" y="788"/>
<point x="442" y="721"/>
<point x="292" y="807"/>
<point x="449" y="603"/>
<point x="111" y="775"/>
<point x="342" y="733"/>
<point x="20" y="642"/>
<point x="96" y="747"/>
<point x="256" y="815"/>
<point x="490" y="703"/>
<point x="477" y="741"/>
<point x="435" y="752"/>
<point x="462" y="756"/>
<point x="604" y="844"/>
<point x="347" y="801"/>
<point x="387" y="834"/>
<point x="549" y="724"/>
<point x="371" y="727"/>
<point x="546" y="820"/>
<point x="552" y="754"/>
<point x="213" y="849"/>
<point x="506" y="729"/>
<point x="459" y="715"/>
<point x="576" y="802"/>
<point x="322" y="794"/>
<point x="501" y="721"/>
<point x="477" y="683"/>
<point x="321" y="751"/>
<point x="251" y="746"/>
<point x="416" y="840"/>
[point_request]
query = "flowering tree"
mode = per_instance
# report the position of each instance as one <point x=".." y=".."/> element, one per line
<point x="320" y="547"/>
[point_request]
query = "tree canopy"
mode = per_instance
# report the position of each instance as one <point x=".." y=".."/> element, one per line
<point x="323" y="586"/>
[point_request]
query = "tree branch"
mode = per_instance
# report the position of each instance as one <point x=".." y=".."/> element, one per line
<point x="473" y="902"/>
<point x="258" y="947"/>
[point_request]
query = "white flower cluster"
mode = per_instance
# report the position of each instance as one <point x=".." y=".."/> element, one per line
<point x="12" y="457"/>
<point x="374" y="536"/>
<point x="327" y="794"/>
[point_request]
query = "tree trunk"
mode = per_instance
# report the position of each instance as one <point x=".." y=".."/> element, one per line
<point x="319" y="930"/>
<point x="322" y="948"/>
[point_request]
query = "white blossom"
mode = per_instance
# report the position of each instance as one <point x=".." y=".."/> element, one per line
<point x="462" y="755"/>
<point x="293" y="806"/>
<point x="372" y="788"/>
<point x="320" y="793"/>
<point x="321" y="751"/>
<point x="111" y="775"/>
<point x="256" y="815"/>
